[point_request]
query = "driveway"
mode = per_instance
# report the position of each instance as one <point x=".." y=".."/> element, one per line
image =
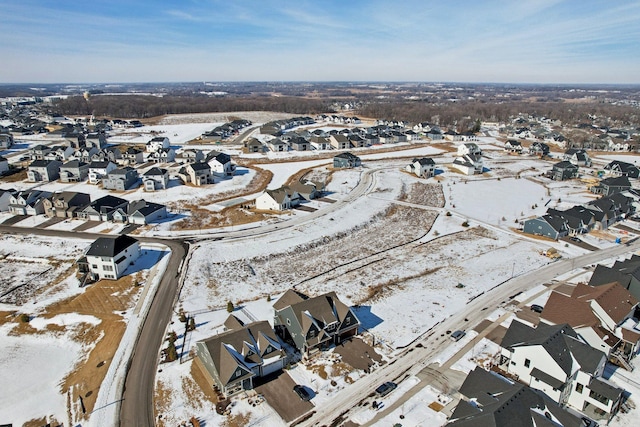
<point x="277" y="390"/>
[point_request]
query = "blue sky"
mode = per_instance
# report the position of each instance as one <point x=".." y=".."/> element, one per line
<point x="542" y="41"/>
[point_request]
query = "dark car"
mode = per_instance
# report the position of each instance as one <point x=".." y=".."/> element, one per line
<point x="302" y="392"/>
<point x="575" y="239"/>
<point x="537" y="308"/>
<point x="386" y="388"/>
<point x="457" y="335"/>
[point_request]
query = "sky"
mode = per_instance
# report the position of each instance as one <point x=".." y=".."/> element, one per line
<point x="510" y="41"/>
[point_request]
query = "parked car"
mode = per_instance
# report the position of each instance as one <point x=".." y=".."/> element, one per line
<point x="457" y="335"/>
<point x="386" y="388"/>
<point x="302" y="392"/>
<point x="537" y="308"/>
<point x="575" y="239"/>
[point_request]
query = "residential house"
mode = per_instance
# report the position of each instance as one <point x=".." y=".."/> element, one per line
<point x="44" y="170"/>
<point x="313" y="323"/>
<point x="491" y="400"/>
<point x="140" y="212"/>
<point x="320" y="142"/>
<point x="280" y="199"/>
<point x="74" y="171"/>
<point x="28" y="202"/>
<point x="611" y="185"/>
<point x="233" y="359"/>
<point x="190" y="155"/>
<point x="434" y="134"/>
<point x="4" y="165"/>
<point x="5" y="199"/>
<point x="555" y="360"/>
<point x="552" y="225"/>
<point x="346" y="160"/>
<point x="605" y="316"/>
<point x="132" y="156"/>
<point x="197" y="173"/>
<point x="620" y="168"/>
<point x="96" y="139"/>
<point x="577" y="156"/>
<point x="563" y="170"/>
<point x="120" y="179"/>
<point x="469" y="148"/>
<point x="65" y="204"/>
<point x="339" y="142"/>
<point x="370" y="139"/>
<point x="157" y="143"/>
<point x="412" y="135"/>
<point x="423" y="168"/>
<point x="468" y="164"/>
<point x="109" y="257"/>
<point x="252" y="145"/>
<point x="155" y="179"/>
<point x="100" y="170"/>
<point x="87" y="154"/>
<point x="625" y="272"/>
<point x="306" y="190"/>
<point x="6" y="141"/>
<point x="163" y="155"/>
<point x="539" y="149"/>
<point x="220" y="163"/>
<point x="38" y="152"/>
<point x="513" y="146"/>
<point x="61" y="153"/>
<point x="299" y="144"/>
<point x="103" y="208"/>
<point x="579" y="220"/>
<point x="277" y="145"/>
<point x="357" y="141"/>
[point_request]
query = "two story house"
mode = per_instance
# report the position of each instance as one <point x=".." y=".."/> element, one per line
<point x="109" y="257"/>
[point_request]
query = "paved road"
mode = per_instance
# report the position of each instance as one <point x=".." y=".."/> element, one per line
<point x="417" y="356"/>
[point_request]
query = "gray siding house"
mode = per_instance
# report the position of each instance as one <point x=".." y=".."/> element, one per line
<point x="120" y="179"/>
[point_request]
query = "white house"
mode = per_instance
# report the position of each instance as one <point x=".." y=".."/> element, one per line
<point x="470" y="148"/>
<point x="109" y="257"/>
<point x="468" y="164"/>
<point x="556" y="361"/>
<point x="156" y="144"/>
<point x="155" y="179"/>
<point x="44" y="170"/>
<point x="424" y="167"/>
<point x="220" y="163"/>
<point x="280" y="199"/>
<point x="100" y="170"/>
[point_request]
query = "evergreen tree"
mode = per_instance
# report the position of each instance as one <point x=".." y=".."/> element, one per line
<point x="230" y="307"/>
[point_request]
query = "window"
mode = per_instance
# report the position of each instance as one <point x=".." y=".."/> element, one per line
<point x="108" y="267"/>
<point x="579" y="388"/>
<point x="513" y="363"/>
<point x="95" y="266"/>
<point x="527" y="362"/>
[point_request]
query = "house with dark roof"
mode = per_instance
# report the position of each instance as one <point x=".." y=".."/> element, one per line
<point x="221" y="164"/>
<point x="74" y="171"/>
<point x="155" y="179"/>
<point x="65" y="204"/>
<point x="491" y="400"/>
<point x="252" y="145"/>
<point x="28" y="202"/>
<point x="539" y="149"/>
<point x="424" y="167"/>
<point x="198" y="174"/>
<point x="550" y="225"/>
<point x="346" y="160"/>
<point x="577" y="156"/>
<point x="513" y="146"/>
<point x="313" y="323"/>
<point x="102" y="209"/>
<point x="562" y="171"/>
<point x="140" y="212"/>
<point x="625" y="272"/>
<point x="109" y="257"/>
<point x="556" y="361"/>
<point x="6" y="141"/>
<point x="612" y="185"/>
<point x="99" y="170"/>
<point x="468" y="164"/>
<point x="605" y="316"/>
<point x="233" y="359"/>
<point x="44" y="170"/>
<point x="5" y="198"/>
<point x="620" y="168"/>
<point x="190" y="155"/>
<point x="4" y="165"/>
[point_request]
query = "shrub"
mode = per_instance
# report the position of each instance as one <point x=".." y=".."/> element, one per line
<point x="465" y="224"/>
<point x="25" y="318"/>
<point x="230" y="307"/>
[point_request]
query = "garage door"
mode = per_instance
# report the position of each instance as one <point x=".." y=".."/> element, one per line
<point x="272" y="367"/>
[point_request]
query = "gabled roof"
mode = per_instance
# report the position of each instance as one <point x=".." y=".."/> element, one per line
<point x="145" y="208"/>
<point x="615" y="300"/>
<point x="155" y="171"/>
<point x="290" y="297"/>
<point x="565" y="164"/>
<point x="199" y="166"/>
<point x="616" y="181"/>
<point x="561" y="308"/>
<point x="494" y="401"/>
<point x="110" y="246"/>
<point x="550" y="337"/>
<point x="107" y="202"/>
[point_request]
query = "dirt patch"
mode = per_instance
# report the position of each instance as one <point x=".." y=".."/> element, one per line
<point x="44" y="421"/>
<point x="200" y="379"/>
<point x="236" y="420"/>
<point x="426" y="194"/>
<point x="436" y="406"/>
<point x="163" y="401"/>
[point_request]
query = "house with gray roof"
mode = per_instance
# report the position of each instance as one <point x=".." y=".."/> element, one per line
<point x="4" y="165"/>
<point x="44" y="170"/>
<point x="5" y="198"/>
<point x="313" y="323"/>
<point x="468" y="164"/>
<point x="491" y="400"/>
<point x="65" y="204"/>
<point x="233" y="359"/>
<point x="99" y="170"/>
<point x="562" y="171"/>
<point x="550" y="225"/>
<point x="620" y="168"/>
<point x="109" y="257"/>
<point x="198" y="174"/>
<point x="74" y="171"/>
<point x="28" y="202"/>
<point x="346" y="160"/>
<point x="280" y="199"/>
<point x="103" y="208"/>
<point x="625" y="272"/>
<point x="612" y="185"/>
<point x="6" y="141"/>
<point x="577" y="156"/>
<point x="556" y="361"/>
<point x="120" y="179"/>
<point x="140" y="212"/>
